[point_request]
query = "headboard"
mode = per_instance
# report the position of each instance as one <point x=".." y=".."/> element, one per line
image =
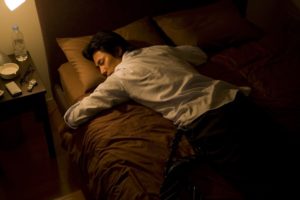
<point x="66" y="18"/>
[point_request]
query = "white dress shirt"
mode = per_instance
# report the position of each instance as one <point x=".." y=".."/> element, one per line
<point x="162" y="78"/>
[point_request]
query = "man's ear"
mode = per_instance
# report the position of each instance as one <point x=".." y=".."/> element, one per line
<point x="119" y="52"/>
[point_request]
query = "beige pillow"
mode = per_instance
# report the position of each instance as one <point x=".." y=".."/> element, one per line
<point x="211" y="26"/>
<point x="141" y="33"/>
<point x="88" y="73"/>
<point x="73" y="88"/>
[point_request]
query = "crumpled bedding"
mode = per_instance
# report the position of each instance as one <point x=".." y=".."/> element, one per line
<point x="270" y="67"/>
<point x="123" y="151"/>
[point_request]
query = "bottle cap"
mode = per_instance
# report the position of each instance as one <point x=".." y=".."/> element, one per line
<point x="15" y="27"/>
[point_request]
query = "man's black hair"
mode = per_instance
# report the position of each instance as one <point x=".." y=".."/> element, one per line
<point x="106" y="41"/>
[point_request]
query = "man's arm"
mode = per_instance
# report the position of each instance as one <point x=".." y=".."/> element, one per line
<point x="106" y="95"/>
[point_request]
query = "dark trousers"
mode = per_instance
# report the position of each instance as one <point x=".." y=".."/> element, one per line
<point x="242" y="143"/>
<point x="236" y="134"/>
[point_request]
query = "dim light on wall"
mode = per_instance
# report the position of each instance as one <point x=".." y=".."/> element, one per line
<point x="13" y="4"/>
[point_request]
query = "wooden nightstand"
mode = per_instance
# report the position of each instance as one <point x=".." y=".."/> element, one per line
<point x="27" y="101"/>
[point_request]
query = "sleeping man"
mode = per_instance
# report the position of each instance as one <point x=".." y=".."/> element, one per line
<point x="159" y="77"/>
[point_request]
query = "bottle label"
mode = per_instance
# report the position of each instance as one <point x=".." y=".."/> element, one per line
<point x="20" y="50"/>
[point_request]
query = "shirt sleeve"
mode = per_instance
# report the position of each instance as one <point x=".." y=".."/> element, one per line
<point x="106" y="95"/>
<point x="192" y="54"/>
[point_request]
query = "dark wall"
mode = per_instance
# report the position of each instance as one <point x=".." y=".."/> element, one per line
<point x="272" y="15"/>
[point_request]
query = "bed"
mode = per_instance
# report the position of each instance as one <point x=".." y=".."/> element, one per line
<point x="122" y="152"/>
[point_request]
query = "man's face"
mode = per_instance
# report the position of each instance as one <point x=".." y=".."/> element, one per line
<point x="106" y="62"/>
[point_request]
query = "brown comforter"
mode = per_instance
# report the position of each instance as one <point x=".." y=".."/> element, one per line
<point x="123" y="152"/>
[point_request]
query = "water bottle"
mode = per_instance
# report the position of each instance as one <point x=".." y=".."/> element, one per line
<point x="20" y="50"/>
